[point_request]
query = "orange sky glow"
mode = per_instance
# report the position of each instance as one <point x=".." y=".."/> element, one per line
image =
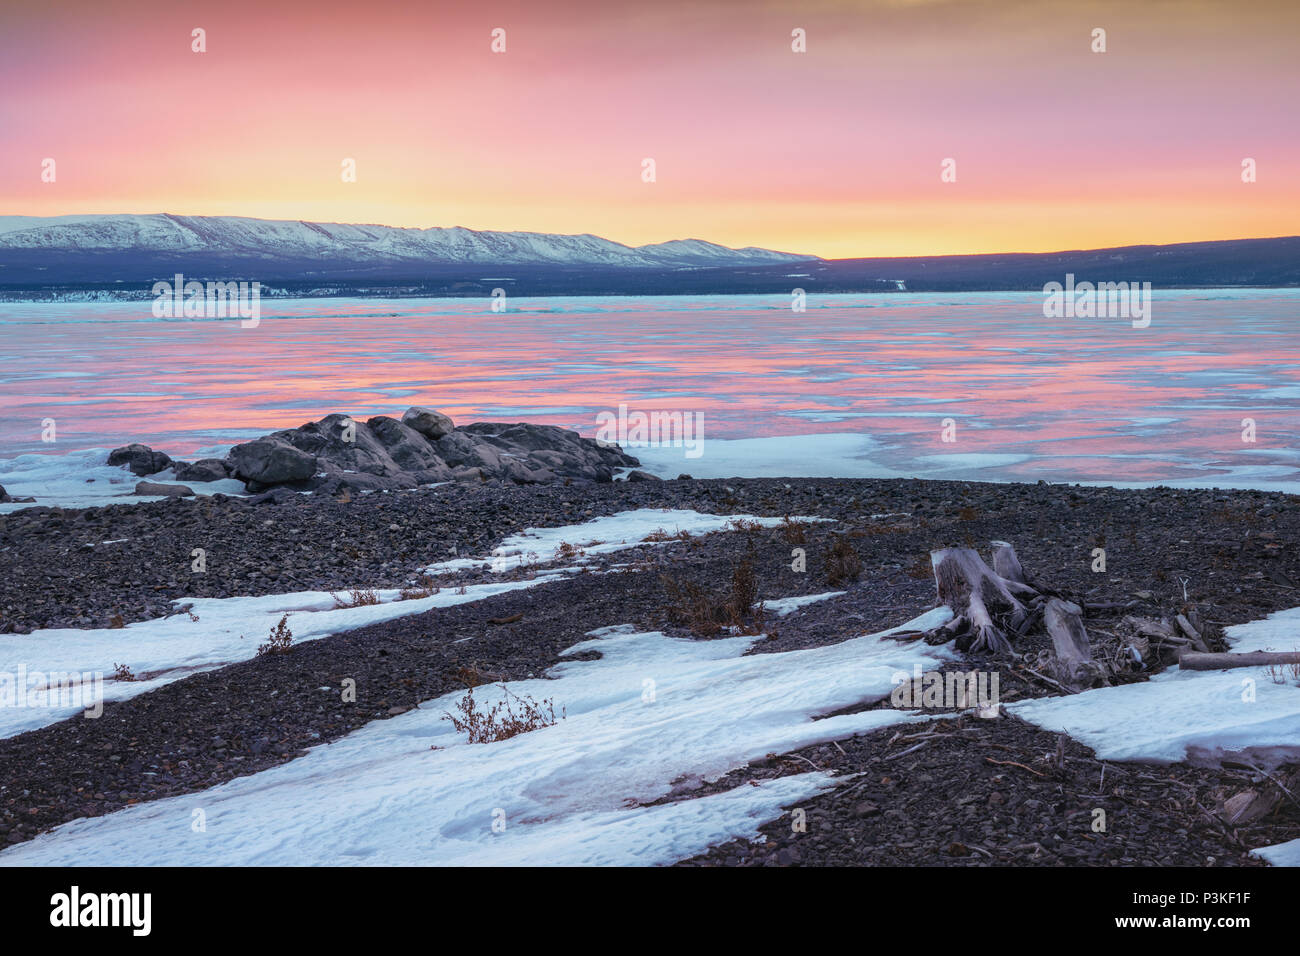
<point x="836" y="151"/>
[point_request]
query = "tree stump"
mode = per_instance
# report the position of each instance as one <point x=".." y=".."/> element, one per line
<point x="985" y="603"/>
<point x="993" y="607"/>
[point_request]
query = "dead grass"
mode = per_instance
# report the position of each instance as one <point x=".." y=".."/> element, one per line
<point x="122" y="672"/>
<point x="1282" y="673"/>
<point x="363" y="597"/>
<point x="659" y="534"/>
<point x="424" y="586"/>
<point x="794" y="532"/>
<point x="501" y="722"/>
<point x="842" y="561"/>
<point x="921" y="568"/>
<point x="280" y="639"/>
<point x="706" y="613"/>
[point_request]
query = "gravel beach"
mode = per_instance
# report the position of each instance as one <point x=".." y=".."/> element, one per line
<point x="1224" y="551"/>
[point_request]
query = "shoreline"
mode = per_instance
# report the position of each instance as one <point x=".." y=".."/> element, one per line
<point x="40" y="545"/>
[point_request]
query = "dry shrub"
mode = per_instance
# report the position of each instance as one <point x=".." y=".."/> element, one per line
<point x="1281" y="673"/>
<point x="968" y="514"/>
<point x="744" y="588"/>
<point x="280" y="639"/>
<point x="659" y="534"/>
<point x="842" y="561"/>
<point x="468" y="674"/>
<point x="794" y="532"/>
<point x="707" y="614"/>
<point x="567" y="552"/>
<point x="744" y="524"/>
<point x="424" y="586"/>
<point x="358" y="598"/>
<point x="921" y="568"/>
<point x="122" y="672"/>
<point x="500" y="722"/>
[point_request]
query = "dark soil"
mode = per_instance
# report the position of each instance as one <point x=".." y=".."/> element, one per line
<point x="948" y="803"/>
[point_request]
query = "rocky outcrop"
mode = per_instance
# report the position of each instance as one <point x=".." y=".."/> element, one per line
<point x="140" y="459"/>
<point x="339" y="453"/>
<point x="205" y="469"/>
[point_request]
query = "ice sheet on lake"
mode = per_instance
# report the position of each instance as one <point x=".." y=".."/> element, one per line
<point x="839" y="455"/>
<point x="1198" y="716"/>
<point x="409" y="791"/>
<point x="82" y="479"/>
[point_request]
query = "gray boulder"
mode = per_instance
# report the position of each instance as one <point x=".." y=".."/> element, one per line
<point x="460" y="450"/>
<point x="642" y="476"/>
<point x="407" y="447"/>
<point x="163" y="489"/>
<point x="140" y="459"/>
<point x="205" y="469"/>
<point x="429" y="423"/>
<point x="269" y="461"/>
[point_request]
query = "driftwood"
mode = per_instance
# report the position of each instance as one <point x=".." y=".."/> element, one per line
<point x="1064" y="623"/>
<point x="993" y="607"/>
<point x="1191" y="661"/>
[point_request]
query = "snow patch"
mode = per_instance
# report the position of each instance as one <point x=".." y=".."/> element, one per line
<point x="1198" y="716"/>
<point x="618" y="532"/>
<point x="409" y="791"/>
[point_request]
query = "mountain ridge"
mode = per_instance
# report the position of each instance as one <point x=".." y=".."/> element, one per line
<point x="295" y="240"/>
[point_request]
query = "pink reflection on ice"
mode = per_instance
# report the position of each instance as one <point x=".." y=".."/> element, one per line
<point x="1065" y="399"/>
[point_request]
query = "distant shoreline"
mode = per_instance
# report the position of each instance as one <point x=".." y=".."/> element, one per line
<point x="105" y="294"/>
<point x="48" y="273"/>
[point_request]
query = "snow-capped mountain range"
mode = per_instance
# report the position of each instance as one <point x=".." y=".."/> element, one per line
<point x="268" y="241"/>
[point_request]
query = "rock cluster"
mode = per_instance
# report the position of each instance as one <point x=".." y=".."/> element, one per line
<point x="339" y="453"/>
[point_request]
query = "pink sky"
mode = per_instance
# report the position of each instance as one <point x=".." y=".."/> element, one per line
<point x="835" y="151"/>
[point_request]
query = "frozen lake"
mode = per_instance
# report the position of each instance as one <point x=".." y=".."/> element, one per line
<point x="866" y="382"/>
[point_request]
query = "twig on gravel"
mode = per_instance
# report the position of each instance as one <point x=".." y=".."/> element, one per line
<point x="1280" y="785"/>
<point x="804" y="759"/>
<point x="1012" y="763"/>
<point x="1046" y="680"/>
<point x="909" y="750"/>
